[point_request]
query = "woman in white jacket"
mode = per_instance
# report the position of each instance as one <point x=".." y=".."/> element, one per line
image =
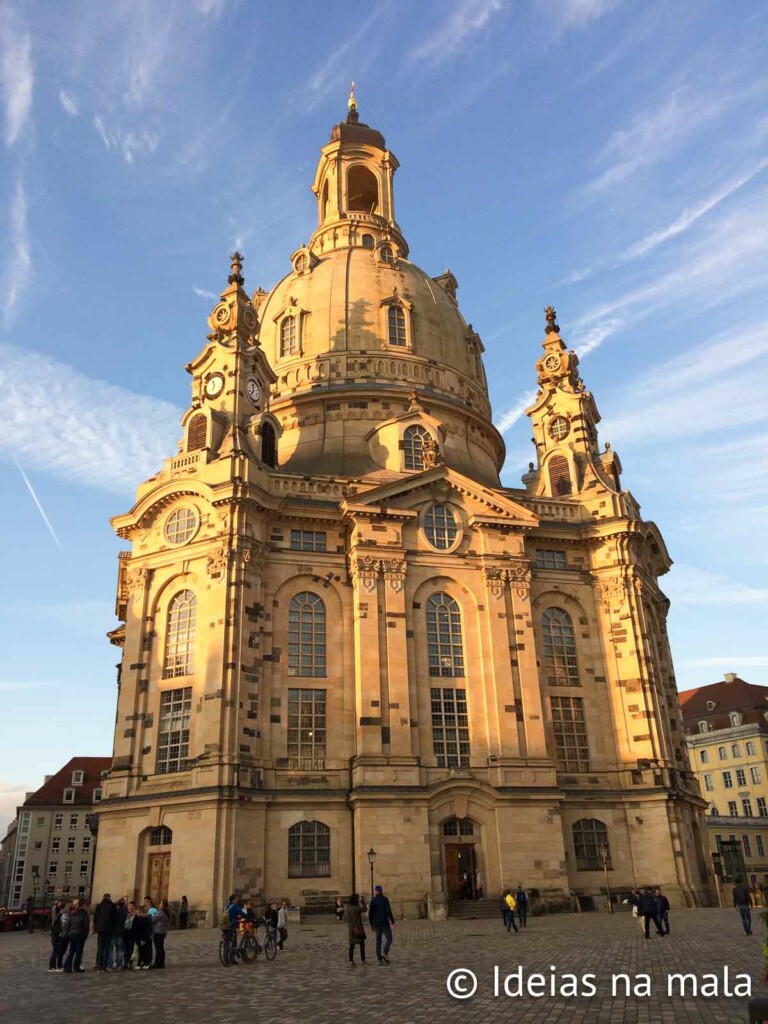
<point x="282" y="924"/>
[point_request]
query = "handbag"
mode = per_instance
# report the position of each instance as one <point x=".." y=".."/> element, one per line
<point x="358" y="931"/>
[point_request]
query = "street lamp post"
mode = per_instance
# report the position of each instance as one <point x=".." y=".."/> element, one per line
<point x="604" y="857"/>
<point x="31" y="910"/>
<point x="371" y="861"/>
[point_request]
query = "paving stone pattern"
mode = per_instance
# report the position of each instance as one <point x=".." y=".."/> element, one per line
<point x="312" y="982"/>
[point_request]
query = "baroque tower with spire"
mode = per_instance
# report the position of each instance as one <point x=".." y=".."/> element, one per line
<point x="340" y="632"/>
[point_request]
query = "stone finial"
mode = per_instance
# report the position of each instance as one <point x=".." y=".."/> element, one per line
<point x="352" y="114"/>
<point x="236" y="277"/>
<point x="551" y="314"/>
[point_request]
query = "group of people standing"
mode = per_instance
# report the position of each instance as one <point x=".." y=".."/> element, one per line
<point x="650" y="906"/>
<point x="380" y="918"/>
<point x="514" y="903"/>
<point x="240" y="916"/>
<point x="121" y="928"/>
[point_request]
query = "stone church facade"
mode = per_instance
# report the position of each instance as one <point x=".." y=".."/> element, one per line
<point x="341" y="633"/>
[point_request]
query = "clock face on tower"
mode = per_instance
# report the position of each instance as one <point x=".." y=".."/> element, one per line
<point x="214" y="385"/>
<point x="253" y="389"/>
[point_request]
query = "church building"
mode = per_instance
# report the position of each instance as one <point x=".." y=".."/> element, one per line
<point x="342" y="636"/>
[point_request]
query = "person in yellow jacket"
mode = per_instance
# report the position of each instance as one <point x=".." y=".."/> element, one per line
<point x="509" y="904"/>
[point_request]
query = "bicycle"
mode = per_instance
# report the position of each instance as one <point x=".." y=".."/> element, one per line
<point x="228" y="953"/>
<point x="270" y="944"/>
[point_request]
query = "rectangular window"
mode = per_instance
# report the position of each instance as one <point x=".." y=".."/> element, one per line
<point x="719" y="843"/>
<point x="87" y="844"/>
<point x="40" y="822"/>
<point x="96" y="795"/>
<point x="708" y="784"/>
<point x="747" y="846"/>
<point x="571" y="747"/>
<point x="727" y="780"/>
<point x="450" y="727"/>
<point x="309" y="850"/>
<point x="732" y="811"/>
<point x="750" y="748"/>
<point x="722" y="753"/>
<point x="759" y="845"/>
<point x="746" y="806"/>
<point x="762" y="807"/>
<point x="55" y="844"/>
<point x="69" y="796"/>
<point x="77" y="778"/>
<point x="83" y="868"/>
<point x="704" y="757"/>
<point x="67" y="868"/>
<point x="754" y="774"/>
<point x="74" y="821"/>
<point x="549" y="559"/>
<point x="173" y="731"/>
<point x="38" y="844"/>
<point x="53" y="867"/>
<point x="58" y="820"/>
<point x="741" y="777"/>
<point x="70" y="846"/>
<point x="307" y="540"/>
<point x="81" y="892"/>
<point x="306" y="730"/>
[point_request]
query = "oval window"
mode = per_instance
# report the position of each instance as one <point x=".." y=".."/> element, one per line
<point x="181" y="526"/>
<point x="440" y="527"/>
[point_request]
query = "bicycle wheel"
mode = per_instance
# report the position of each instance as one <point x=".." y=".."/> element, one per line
<point x="270" y="947"/>
<point x="249" y="949"/>
<point x="224" y="952"/>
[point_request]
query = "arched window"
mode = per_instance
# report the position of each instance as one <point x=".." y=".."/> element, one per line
<point x="704" y="757"/>
<point x="559" y="475"/>
<point x="386" y="254"/>
<point x="714" y="811"/>
<point x="268" y="445"/>
<point x="444" y="643"/>
<point x="396" y="321"/>
<point x="362" y="190"/>
<point x="750" y="748"/>
<point x="735" y="750"/>
<point x="325" y="203"/>
<point x="288" y="337"/>
<point x="197" y="432"/>
<point x="367" y="241"/>
<point x="180" y="636"/>
<point x="736" y="719"/>
<point x="458" y="827"/>
<point x="413" y="442"/>
<point x="440" y="526"/>
<point x="560" y="661"/>
<point x="306" y="636"/>
<point x="703" y="727"/>
<point x="309" y="850"/>
<point x="589" y="835"/>
<point x="161" y="835"/>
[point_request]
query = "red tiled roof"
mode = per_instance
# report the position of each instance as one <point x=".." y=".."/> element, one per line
<point x="736" y="695"/>
<point x="52" y="791"/>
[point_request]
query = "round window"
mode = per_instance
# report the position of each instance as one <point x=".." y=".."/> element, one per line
<point x="181" y="526"/>
<point x="559" y="428"/>
<point x="440" y="527"/>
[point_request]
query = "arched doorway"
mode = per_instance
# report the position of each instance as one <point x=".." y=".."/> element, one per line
<point x="158" y="863"/>
<point x="460" y="836"/>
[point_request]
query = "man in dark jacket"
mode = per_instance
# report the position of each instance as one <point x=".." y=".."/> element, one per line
<point x="647" y="907"/>
<point x="521" y="898"/>
<point x="662" y="908"/>
<point x="742" y="900"/>
<point x="79" y="927"/>
<point x="104" y="921"/>
<point x="381" y="919"/>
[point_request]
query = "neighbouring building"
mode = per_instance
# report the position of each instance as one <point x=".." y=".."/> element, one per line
<point x="341" y="634"/>
<point x="7" y="851"/>
<point x="726" y="732"/>
<point x="53" y="845"/>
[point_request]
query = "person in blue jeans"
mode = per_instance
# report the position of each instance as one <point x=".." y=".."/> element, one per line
<point x="79" y="927"/>
<point x="742" y="900"/>
<point x="381" y="919"/>
<point x="521" y="898"/>
<point x="236" y="913"/>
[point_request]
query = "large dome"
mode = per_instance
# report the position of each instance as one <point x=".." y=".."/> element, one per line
<point x="359" y="335"/>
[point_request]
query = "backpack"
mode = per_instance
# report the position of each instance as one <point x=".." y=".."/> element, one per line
<point x="225" y="923"/>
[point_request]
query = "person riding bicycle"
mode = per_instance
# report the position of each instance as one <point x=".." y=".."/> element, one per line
<point x="236" y="914"/>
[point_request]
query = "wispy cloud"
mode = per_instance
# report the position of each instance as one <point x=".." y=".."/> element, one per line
<point x="129" y="144"/>
<point x="508" y="418"/>
<point x="16" y="73"/>
<point x="113" y="437"/>
<point x="203" y="294"/>
<point x="38" y="504"/>
<point x="68" y="103"/>
<point x="339" y="67"/>
<point x="23" y="686"/>
<point x="18" y="260"/>
<point x="465" y="21"/>
<point x="578" y="13"/>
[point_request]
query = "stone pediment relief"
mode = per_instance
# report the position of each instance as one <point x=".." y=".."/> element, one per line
<point x="481" y="504"/>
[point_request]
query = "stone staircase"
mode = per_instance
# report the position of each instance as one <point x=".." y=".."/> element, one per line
<point x="474" y="910"/>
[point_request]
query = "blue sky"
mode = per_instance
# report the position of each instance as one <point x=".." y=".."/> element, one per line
<point x="609" y="157"/>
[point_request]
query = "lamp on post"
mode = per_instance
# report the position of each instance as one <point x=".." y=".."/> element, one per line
<point x="603" y="851"/>
<point x="371" y="861"/>
<point x="35" y="885"/>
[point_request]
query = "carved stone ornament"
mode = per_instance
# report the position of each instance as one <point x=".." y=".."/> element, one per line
<point x="494" y="580"/>
<point x="519" y="577"/>
<point x="394" y="571"/>
<point x="135" y="581"/>
<point x="217" y="563"/>
<point x="367" y="571"/>
<point x="612" y="592"/>
<point x="430" y="453"/>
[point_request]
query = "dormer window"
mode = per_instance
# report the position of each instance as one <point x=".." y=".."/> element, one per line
<point x="396" y="324"/>
<point x="288" y="337"/>
<point x="413" y="446"/>
<point x="77" y="778"/>
<point x="69" y="796"/>
<point x="711" y="705"/>
<point x="386" y="254"/>
<point x="301" y="263"/>
<point x="736" y="718"/>
<point x="703" y="727"/>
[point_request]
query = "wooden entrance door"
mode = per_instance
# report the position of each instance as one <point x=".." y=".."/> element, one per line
<point x="459" y="860"/>
<point x="159" y="876"/>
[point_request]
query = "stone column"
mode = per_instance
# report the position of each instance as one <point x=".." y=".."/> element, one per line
<point x="398" y="713"/>
<point x="365" y="572"/>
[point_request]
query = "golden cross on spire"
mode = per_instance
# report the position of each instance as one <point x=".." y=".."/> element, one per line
<point x="352" y="102"/>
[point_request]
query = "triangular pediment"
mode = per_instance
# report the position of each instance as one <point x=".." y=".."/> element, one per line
<point x="437" y="484"/>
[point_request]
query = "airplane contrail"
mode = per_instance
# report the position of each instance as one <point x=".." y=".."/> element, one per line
<point x="40" y="508"/>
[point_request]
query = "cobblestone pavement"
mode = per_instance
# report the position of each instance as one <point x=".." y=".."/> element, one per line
<point x="312" y="982"/>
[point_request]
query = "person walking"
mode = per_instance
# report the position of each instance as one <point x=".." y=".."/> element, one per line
<point x="117" y="945"/>
<point x="338" y="908"/>
<point x="104" y="918"/>
<point x="79" y="928"/>
<point x="662" y="904"/>
<point x="353" y="916"/>
<point x="478" y="885"/>
<point x="59" y="928"/>
<point x="161" y="921"/>
<point x="282" y="925"/>
<point x="521" y="899"/>
<point x="648" y="909"/>
<point x="183" y="913"/>
<point x="382" y="920"/>
<point x="511" y="903"/>
<point x="742" y="900"/>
